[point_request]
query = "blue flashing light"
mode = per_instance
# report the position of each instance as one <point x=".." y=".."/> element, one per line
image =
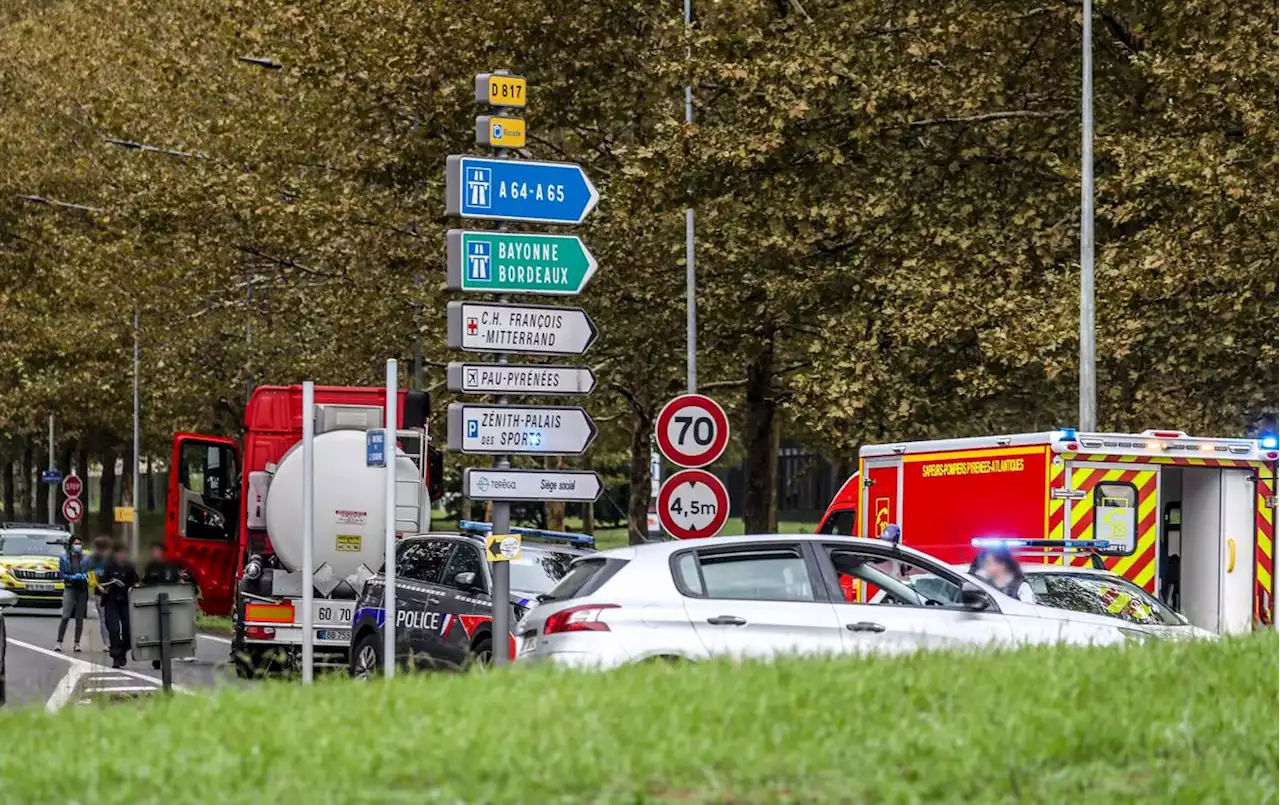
<point x="577" y="540"/>
<point x="1066" y="434"/>
<point x="1270" y="442"/>
<point x="1063" y="544"/>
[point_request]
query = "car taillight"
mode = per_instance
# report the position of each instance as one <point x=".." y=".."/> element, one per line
<point x="260" y="632"/>
<point x="585" y="618"/>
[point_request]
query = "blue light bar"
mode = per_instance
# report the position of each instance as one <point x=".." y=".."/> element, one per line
<point x="1067" y="434"/>
<point x="1270" y="442"/>
<point x="580" y="540"/>
<point x="1063" y="544"/>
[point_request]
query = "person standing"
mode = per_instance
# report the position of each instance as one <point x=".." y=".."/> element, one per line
<point x="160" y="570"/>
<point x="101" y="553"/>
<point x="118" y="577"/>
<point x="74" y="569"/>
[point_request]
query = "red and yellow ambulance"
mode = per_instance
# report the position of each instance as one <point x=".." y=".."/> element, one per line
<point x="1189" y="519"/>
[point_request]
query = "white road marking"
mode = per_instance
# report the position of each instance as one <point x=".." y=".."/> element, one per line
<point x="215" y="638"/>
<point x="123" y="689"/>
<point x="80" y="668"/>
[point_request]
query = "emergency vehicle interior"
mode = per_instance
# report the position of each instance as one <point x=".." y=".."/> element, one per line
<point x="1205" y="561"/>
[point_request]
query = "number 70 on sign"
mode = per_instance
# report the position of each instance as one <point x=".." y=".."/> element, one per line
<point x="692" y="430"/>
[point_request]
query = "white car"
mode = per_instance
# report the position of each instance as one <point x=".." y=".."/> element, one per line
<point x="7" y="599"/>
<point x="761" y="596"/>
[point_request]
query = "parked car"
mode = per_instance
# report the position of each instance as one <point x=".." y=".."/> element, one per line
<point x="7" y="599"/>
<point x="761" y="596"/>
<point x="444" y="611"/>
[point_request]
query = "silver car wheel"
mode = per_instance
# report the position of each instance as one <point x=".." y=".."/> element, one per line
<point x="366" y="662"/>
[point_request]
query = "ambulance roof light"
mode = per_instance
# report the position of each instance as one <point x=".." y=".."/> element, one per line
<point x="1165" y="434"/>
<point x="1270" y="442"/>
<point x="1062" y="544"/>
<point x="1066" y="434"/>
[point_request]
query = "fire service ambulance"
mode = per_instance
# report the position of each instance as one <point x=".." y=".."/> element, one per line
<point x="1189" y="519"/>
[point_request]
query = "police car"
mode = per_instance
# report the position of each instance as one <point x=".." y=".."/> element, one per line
<point x="444" y="613"/>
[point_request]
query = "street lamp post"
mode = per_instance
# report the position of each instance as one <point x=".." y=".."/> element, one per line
<point x="1088" y="365"/>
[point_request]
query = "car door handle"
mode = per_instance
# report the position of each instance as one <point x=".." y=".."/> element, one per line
<point x="727" y="620"/>
<point x="864" y="626"/>
<point x="433" y="600"/>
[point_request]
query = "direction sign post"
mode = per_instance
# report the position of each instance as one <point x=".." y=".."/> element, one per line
<point x="531" y="329"/>
<point x="518" y="190"/>
<point x="581" y="486"/>
<point x="510" y="378"/>
<point x="692" y="430"/>
<point x="527" y="430"/>
<point x="502" y="262"/>
<point x="693" y="504"/>
<point x="517" y="262"/>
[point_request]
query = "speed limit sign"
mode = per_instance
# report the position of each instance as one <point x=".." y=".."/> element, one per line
<point x="693" y="504"/>
<point x="692" y="430"/>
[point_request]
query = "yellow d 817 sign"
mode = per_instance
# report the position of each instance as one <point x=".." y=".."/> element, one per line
<point x="501" y="90"/>
<point x="124" y="514"/>
<point x="500" y="132"/>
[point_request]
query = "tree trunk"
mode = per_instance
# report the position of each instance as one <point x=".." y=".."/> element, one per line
<point x="760" y="463"/>
<point x="555" y="509"/>
<point x="82" y="469"/>
<point x="638" y="504"/>
<point x="64" y="466"/>
<point x="107" y="495"/>
<point x="42" y="495"/>
<point x="151" y="488"/>
<point x="589" y="512"/>
<point x="6" y="477"/>
<point x="28" y="488"/>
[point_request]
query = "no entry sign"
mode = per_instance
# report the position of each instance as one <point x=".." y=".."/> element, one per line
<point x="72" y="510"/>
<point x="693" y="504"/>
<point x="692" y="430"/>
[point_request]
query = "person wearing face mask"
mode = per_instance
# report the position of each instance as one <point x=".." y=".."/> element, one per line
<point x="74" y="567"/>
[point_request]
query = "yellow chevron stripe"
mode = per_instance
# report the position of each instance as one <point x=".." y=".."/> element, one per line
<point x="1264" y="578"/>
<point x="1197" y="462"/>
<point x="1264" y="542"/>
<point x="1145" y="575"/>
<point x="1265" y="510"/>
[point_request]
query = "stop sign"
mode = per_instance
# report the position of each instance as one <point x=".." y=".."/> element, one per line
<point x="72" y="486"/>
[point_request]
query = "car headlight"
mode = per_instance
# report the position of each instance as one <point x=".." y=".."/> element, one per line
<point x="1136" y="634"/>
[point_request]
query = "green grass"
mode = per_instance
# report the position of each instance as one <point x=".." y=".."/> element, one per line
<point x="607" y="538"/>
<point x="214" y="624"/>
<point x="1193" y="723"/>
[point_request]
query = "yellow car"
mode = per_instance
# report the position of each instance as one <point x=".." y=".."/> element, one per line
<point x="29" y="565"/>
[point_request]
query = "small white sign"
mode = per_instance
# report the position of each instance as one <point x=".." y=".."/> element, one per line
<point x="516" y="485"/>
<point x="503" y="378"/>
<point x="533" y="329"/>
<point x="544" y="430"/>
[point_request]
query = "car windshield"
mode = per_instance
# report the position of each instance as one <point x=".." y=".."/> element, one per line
<point x="27" y="545"/>
<point x="1099" y="594"/>
<point x="538" y="569"/>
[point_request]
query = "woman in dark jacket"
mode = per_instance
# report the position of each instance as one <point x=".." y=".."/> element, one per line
<point x="1000" y="567"/>
<point x="74" y="568"/>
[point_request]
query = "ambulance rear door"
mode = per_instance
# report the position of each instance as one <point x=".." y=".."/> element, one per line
<point x="881" y="494"/>
<point x="1119" y="502"/>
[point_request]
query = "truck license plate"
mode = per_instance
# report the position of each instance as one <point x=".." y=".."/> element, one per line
<point x="335" y="634"/>
<point x="40" y="586"/>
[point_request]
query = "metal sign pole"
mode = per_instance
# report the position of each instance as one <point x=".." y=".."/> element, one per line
<point x="1088" y="366"/>
<point x="391" y="424"/>
<point x="690" y="276"/>
<point x="501" y="598"/>
<point x="137" y="436"/>
<point x="53" y="494"/>
<point x="308" y="529"/>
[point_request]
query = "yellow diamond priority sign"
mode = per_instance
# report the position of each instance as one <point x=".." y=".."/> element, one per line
<point x="502" y="547"/>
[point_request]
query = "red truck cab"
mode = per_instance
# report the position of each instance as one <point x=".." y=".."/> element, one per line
<point x="206" y="524"/>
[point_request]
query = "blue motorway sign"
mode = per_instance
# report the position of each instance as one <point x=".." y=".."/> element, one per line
<point x="518" y="190"/>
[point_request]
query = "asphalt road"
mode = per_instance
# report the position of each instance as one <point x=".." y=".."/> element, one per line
<point x="37" y="676"/>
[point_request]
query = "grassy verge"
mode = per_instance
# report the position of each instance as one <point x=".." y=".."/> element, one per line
<point x="1143" y="723"/>
<point x="213" y="624"/>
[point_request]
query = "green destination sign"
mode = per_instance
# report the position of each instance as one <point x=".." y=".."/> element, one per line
<point x="518" y="262"/>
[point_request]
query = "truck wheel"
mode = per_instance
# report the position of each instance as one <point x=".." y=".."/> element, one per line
<point x="366" y="657"/>
<point x="482" y="652"/>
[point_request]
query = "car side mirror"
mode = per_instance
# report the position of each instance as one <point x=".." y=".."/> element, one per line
<point x="973" y="597"/>
<point x="466" y="581"/>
